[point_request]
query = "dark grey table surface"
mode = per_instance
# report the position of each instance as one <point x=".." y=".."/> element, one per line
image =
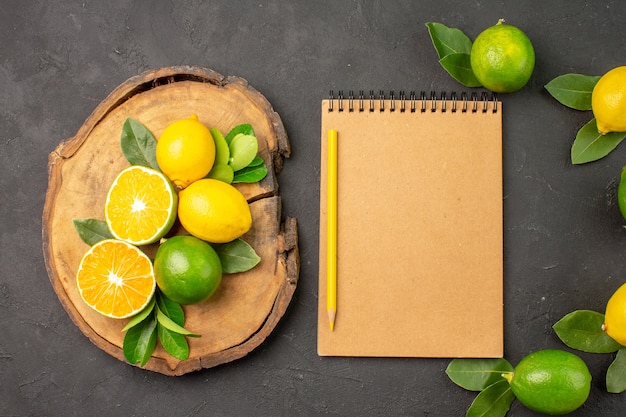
<point x="564" y="240"/>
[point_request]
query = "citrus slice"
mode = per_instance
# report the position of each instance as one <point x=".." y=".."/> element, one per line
<point x="141" y="205"/>
<point x="115" y="278"/>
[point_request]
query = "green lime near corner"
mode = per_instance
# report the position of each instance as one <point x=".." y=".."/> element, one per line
<point x="551" y="381"/>
<point x="502" y="58"/>
<point x="187" y="269"/>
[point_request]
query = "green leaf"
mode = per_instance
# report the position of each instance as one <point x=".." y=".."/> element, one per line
<point x="171" y="309"/>
<point x="92" y="231"/>
<point x="616" y="373"/>
<point x="244" y="129"/>
<point x="459" y="67"/>
<point x="222" y="153"/>
<point x="251" y="173"/>
<point x="140" y="341"/>
<point x="573" y="90"/>
<point x="493" y="401"/>
<point x="476" y="374"/>
<point x="169" y="324"/>
<point x="243" y="149"/>
<point x="236" y="256"/>
<point x="174" y="343"/>
<point x="141" y="316"/>
<point x="590" y="145"/>
<point x="257" y="161"/>
<point x="582" y="330"/>
<point x="222" y="173"/>
<point x="138" y="144"/>
<point x="448" y="40"/>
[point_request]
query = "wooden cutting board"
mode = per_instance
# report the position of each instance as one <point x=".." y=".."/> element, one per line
<point x="247" y="306"/>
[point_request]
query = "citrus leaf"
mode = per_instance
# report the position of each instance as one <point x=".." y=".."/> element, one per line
<point x="222" y="153"/>
<point x="573" y="90"/>
<point x="477" y="374"/>
<point x="251" y="173"/>
<point x="174" y="343"/>
<point x="138" y="144"/>
<point x="244" y="129"/>
<point x="171" y="309"/>
<point x="141" y="316"/>
<point x="493" y="401"/>
<point x="582" y="330"/>
<point x="459" y="67"/>
<point x="222" y="173"/>
<point x="256" y="162"/>
<point x="590" y="145"/>
<point x="92" y="231"/>
<point x="169" y="324"/>
<point x="243" y="150"/>
<point x="448" y="40"/>
<point x="236" y="256"/>
<point x="140" y="341"/>
<point x="616" y="373"/>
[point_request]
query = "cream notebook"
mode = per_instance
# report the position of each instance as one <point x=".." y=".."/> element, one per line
<point x="419" y="227"/>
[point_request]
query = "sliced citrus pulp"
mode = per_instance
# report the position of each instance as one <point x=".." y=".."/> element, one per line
<point x="141" y="205"/>
<point x="115" y="278"/>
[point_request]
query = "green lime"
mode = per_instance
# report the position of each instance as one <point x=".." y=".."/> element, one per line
<point x="502" y="58"/>
<point x="551" y="381"/>
<point x="187" y="269"/>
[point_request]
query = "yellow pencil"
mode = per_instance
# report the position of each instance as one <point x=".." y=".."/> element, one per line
<point x="331" y="246"/>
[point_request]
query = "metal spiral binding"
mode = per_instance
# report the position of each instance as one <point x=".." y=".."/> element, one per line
<point x="468" y="102"/>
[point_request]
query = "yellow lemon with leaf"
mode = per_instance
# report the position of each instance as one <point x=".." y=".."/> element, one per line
<point x="185" y="151"/>
<point x="615" y="316"/>
<point x="608" y="101"/>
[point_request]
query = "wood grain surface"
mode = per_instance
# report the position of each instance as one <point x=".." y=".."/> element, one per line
<point x="247" y="306"/>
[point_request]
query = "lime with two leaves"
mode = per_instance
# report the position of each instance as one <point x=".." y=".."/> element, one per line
<point x="548" y="381"/>
<point x="500" y="59"/>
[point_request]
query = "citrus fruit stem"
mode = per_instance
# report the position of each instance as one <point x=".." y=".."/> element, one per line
<point x="508" y="376"/>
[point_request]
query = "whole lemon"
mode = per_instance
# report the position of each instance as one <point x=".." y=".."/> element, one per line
<point x="185" y="151"/>
<point x="214" y="211"/>
<point x="608" y="101"/>
<point x="551" y="381"/>
<point x="502" y="58"/>
<point x="187" y="269"/>
<point x="615" y="316"/>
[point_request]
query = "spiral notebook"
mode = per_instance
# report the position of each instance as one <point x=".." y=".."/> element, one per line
<point x="419" y="226"/>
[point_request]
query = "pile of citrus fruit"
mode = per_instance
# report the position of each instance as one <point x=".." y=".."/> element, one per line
<point x="186" y="174"/>
<point x="551" y="381"/>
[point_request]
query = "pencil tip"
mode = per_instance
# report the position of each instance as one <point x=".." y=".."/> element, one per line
<point x="332" y="326"/>
<point x="331" y="318"/>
